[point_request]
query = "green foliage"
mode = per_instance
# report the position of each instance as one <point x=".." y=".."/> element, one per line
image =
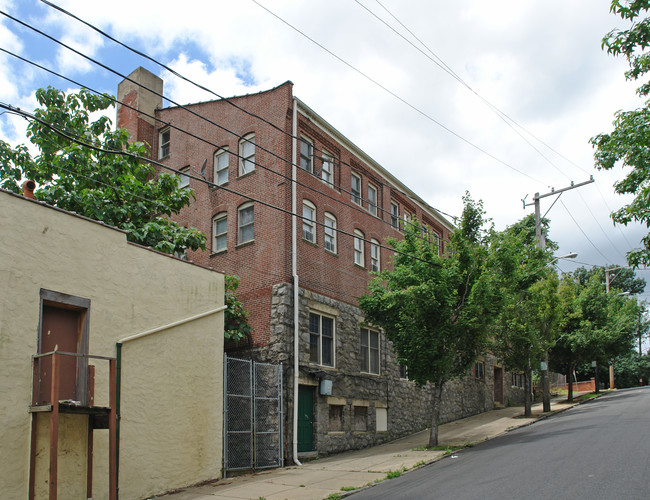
<point x="629" y="142"/>
<point x="435" y="309"/>
<point x="631" y="370"/>
<point x="236" y="326"/>
<point x="595" y="325"/>
<point x="526" y="326"/>
<point x="392" y="474"/>
<point x="115" y="189"/>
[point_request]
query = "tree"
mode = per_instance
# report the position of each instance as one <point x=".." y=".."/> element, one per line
<point x="236" y="326"/>
<point x="628" y="144"/>
<point x="622" y="280"/>
<point x="595" y="326"/>
<point x="96" y="182"/>
<point x="526" y="325"/>
<point x="435" y="309"/>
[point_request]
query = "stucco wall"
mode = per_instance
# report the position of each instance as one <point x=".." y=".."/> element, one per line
<point x="172" y="380"/>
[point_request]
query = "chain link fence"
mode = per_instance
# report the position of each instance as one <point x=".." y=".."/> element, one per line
<point x="252" y="415"/>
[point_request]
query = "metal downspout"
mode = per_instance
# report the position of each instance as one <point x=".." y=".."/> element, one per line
<point x="294" y="272"/>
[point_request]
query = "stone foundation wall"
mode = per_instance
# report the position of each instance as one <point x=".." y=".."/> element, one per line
<point x="358" y="395"/>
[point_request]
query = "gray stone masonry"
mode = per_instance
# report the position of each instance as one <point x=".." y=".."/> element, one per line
<point x="407" y="406"/>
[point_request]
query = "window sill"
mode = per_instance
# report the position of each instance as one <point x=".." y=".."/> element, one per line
<point x="323" y="367"/>
<point x="219" y="252"/>
<point x="241" y="176"/>
<point x="163" y="157"/>
<point x="360" y="266"/>
<point x="245" y="244"/>
<point x="309" y="242"/>
<point x="371" y="374"/>
<point x="334" y="254"/>
<point x="336" y="433"/>
<point x="214" y="186"/>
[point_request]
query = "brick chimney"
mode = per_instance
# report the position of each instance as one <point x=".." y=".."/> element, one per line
<point x="140" y="127"/>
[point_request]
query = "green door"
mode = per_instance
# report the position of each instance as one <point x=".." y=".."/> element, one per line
<point x="305" y="418"/>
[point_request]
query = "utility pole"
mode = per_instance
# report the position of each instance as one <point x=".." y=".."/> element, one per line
<point x="541" y="243"/>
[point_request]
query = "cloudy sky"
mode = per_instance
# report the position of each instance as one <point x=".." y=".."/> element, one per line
<point x="498" y="98"/>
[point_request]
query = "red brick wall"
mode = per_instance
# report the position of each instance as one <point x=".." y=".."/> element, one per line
<point x="267" y="261"/>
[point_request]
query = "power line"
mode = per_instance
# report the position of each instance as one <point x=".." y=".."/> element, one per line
<point x="396" y="96"/>
<point x="356" y="207"/>
<point x="94" y="61"/>
<point x="200" y="179"/>
<point x="202" y="87"/>
<point x="583" y="233"/>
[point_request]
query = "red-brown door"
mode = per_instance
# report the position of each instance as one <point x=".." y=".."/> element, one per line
<point x="60" y="330"/>
<point x="498" y="385"/>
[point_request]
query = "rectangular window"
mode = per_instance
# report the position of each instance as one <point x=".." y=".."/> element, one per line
<point x="245" y="221"/>
<point x="221" y="163"/>
<point x="436" y="241"/>
<point x="359" y="259"/>
<point x="247" y="154"/>
<point x="308" y="221"/>
<point x="306" y="155"/>
<point x="355" y="188"/>
<point x="321" y="339"/>
<point x="330" y="233"/>
<point x="184" y="177"/>
<point x="163" y="143"/>
<point x="381" y="419"/>
<point x="336" y="418"/>
<point x="374" y="256"/>
<point x="403" y="371"/>
<point x="220" y="233"/>
<point x="369" y="354"/>
<point x="372" y="199"/>
<point x="327" y="169"/>
<point x="361" y="418"/>
<point x="394" y="215"/>
<point x="479" y="370"/>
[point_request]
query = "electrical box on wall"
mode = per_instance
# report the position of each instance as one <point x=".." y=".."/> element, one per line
<point x="325" y="387"/>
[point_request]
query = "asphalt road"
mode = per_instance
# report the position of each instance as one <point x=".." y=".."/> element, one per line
<point x="598" y="450"/>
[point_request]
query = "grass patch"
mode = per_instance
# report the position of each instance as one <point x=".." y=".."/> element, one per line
<point x="348" y="488"/>
<point x="392" y="474"/>
<point x="334" y="496"/>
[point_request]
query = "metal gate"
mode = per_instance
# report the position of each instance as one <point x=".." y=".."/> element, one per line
<point x="252" y="415"/>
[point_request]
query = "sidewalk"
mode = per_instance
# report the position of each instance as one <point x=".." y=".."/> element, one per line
<point x="318" y="479"/>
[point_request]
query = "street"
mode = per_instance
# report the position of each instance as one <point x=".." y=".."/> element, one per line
<point x="598" y="450"/>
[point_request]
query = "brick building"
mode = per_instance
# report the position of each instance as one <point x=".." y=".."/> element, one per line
<point x="266" y="156"/>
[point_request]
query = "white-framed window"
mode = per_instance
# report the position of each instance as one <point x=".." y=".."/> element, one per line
<point x="164" y="142"/>
<point x="307" y="155"/>
<point x="220" y="232"/>
<point x="327" y="169"/>
<point x="479" y="370"/>
<point x="372" y="199"/>
<point x="369" y="353"/>
<point x="308" y="221"/>
<point x="221" y="164"/>
<point x="355" y="188"/>
<point x="403" y="371"/>
<point x="247" y="154"/>
<point x="245" y="223"/>
<point x="436" y="240"/>
<point x="375" y="263"/>
<point x="359" y="259"/>
<point x="321" y="339"/>
<point x="330" y="232"/>
<point x="184" y="177"/>
<point x="394" y="215"/>
<point x="407" y="219"/>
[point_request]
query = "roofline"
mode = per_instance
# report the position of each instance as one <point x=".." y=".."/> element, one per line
<point x="288" y="82"/>
<point x="329" y="129"/>
<point x="107" y="226"/>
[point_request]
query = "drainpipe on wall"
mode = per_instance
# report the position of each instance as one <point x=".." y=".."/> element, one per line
<point x="294" y="272"/>
<point x="118" y="389"/>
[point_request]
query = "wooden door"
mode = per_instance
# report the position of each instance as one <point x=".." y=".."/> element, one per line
<point x="61" y="330"/>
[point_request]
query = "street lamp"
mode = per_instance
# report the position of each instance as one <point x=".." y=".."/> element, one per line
<point x="546" y="389"/>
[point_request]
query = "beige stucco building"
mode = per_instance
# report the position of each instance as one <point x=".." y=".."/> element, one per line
<point x="155" y="317"/>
